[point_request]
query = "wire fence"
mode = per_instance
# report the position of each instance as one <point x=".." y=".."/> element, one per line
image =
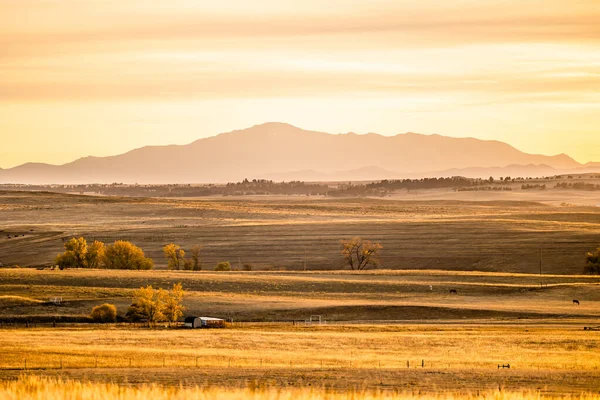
<point x="212" y="361"/>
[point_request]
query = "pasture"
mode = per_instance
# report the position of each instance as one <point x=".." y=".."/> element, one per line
<point x="382" y="330"/>
<point x="438" y="230"/>
<point x="549" y="358"/>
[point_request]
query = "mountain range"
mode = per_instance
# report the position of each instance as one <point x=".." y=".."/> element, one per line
<point x="281" y="151"/>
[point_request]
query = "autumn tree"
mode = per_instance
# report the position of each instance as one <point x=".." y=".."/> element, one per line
<point x="175" y="256"/>
<point x="95" y="254"/>
<point x="593" y="263"/>
<point x="149" y="304"/>
<point x="173" y="307"/>
<point x="155" y="305"/>
<point x="359" y="254"/>
<point x="125" y="255"/>
<point x="79" y="255"/>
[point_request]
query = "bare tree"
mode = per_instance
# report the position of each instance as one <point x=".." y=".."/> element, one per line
<point x="196" y="263"/>
<point x="360" y="254"/>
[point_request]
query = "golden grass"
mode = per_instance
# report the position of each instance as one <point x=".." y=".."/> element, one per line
<point x="558" y="348"/>
<point x="40" y="388"/>
<point x="283" y="296"/>
<point x="10" y="300"/>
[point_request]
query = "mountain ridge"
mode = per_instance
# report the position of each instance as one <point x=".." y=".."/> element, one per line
<point x="275" y="148"/>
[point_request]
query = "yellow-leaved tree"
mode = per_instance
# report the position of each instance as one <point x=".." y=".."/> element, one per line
<point x="126" y="255"/>
<point x="155" y="305"/>
<point x="173" y="307"/>
<point x="79" y="255"/>
<point x="175" y="256"/>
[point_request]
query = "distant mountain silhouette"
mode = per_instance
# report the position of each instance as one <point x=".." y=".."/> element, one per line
<point x="280" y="151"/>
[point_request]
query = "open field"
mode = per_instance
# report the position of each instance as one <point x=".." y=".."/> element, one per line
<point x="447" y="232"/>
<point x="551" y="359"/>
<point x="395" y="331"/>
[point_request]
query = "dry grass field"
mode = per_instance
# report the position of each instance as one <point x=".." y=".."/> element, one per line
<point x="551" y="359"/>
<point x="395" y="332"/>
<point x="35" y="388"/>
<point x="450" y="231"/>
<point x="385" y="331"/>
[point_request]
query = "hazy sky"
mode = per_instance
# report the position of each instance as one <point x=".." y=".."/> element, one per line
<point x="100" y="77"/>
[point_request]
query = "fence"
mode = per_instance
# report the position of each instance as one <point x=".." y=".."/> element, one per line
<point x="170" y="361"/>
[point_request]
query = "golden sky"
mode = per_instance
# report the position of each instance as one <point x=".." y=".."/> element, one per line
<point x="100" y="77"/>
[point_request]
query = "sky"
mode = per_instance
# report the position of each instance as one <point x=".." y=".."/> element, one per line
<point x="101" y="77"/>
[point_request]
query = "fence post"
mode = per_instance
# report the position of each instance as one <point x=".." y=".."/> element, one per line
<point x="422" y="363"/>
<point x="407" y="364"/>
<point x="196" y="361"/>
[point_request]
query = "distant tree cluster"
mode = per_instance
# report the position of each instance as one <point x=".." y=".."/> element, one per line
<point x="485" y="189"/>
<point x="119" y="255"/>
<point x="243" y="188"/>
<point x="533" y="187"/>
<point x="386" y="186"/>
<point x="577" y="186"/>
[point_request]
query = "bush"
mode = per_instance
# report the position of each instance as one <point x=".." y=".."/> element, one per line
<point x="223" y="266"/>
<point x="135" y="313"/>
<point x="593" y="263"/>
<point x="105" y="313"/>
<point x="248" y="267"/>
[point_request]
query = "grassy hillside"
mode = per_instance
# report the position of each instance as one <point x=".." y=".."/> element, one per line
<point x="279" y="296"/>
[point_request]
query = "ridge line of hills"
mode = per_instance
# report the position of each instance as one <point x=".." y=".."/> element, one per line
<point x="280" y="151"/>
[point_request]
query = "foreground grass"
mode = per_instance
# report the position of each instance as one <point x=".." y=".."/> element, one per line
<point x="37" y="388"/>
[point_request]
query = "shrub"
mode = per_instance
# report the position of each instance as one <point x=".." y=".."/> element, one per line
<point x="223" y="266"/>
<point x="135" y="313"/>
<point x="105" y="313"/>
<point x="247" y="267"/>
<point x="593" y="263"/>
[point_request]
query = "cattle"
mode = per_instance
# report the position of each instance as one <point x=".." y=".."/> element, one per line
<point x="453" y="291"/>
<point x="576" y="302"/>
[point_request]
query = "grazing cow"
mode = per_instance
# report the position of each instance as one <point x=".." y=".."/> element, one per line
<point x="576" y="302"/>
<point x="453" y="291"/>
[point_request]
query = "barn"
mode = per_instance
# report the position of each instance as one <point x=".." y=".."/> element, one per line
<point x="204" y="322"/>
